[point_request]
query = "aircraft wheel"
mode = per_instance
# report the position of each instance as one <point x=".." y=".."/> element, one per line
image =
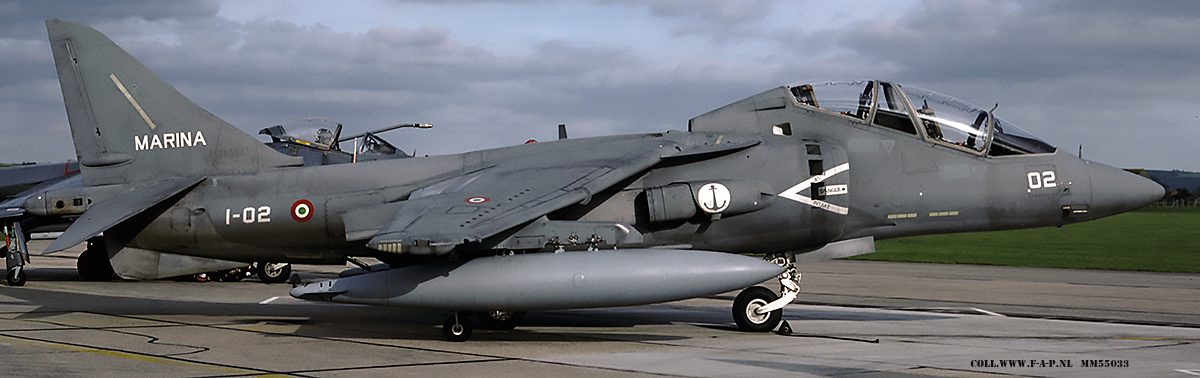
<point x="269" y="272"/>
<point x="93" y="264"/>
<point x="16" y="277"/>
<point x="501" y="320"/>
<point x="456" y="331"/>
<point x="747" y="302"/>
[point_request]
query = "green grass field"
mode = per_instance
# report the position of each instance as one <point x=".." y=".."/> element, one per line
<point x="1151" y="239"/>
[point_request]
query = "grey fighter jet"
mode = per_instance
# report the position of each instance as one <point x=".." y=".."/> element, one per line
<point x="806" y="171"/>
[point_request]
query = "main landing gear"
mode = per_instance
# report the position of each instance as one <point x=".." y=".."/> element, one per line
<point x="501" y="320"/>
<point x="457" y="327"/>
<point x="758" y="309"/>
<point x="269" y="272"/>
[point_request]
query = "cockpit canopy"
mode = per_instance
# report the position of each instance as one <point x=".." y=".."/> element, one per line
<point x="920" y="112"/>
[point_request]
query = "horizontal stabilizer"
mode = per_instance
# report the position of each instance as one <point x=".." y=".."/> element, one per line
<point x="11" y="209"/>
<point x="108" y="213"/>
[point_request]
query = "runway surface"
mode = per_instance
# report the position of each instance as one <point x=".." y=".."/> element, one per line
<point x="853" y="319"/>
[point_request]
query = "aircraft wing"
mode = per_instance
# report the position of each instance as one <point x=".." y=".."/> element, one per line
<point x="511" y="192"/>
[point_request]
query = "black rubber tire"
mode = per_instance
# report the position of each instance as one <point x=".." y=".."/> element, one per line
<point x="501" y="320"/>
<point x="750" y="299"/>
<point x="277" y="275"/>
<point x="93" y="264"/>
<point x="456" y="331"/>
<point x="16" y="277"/>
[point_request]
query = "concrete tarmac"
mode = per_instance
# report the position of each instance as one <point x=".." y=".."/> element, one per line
<point x="853" y="319"/>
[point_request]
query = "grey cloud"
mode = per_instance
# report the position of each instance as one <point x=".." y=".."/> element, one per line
<point x="719" y="20"/>
<point x="23" y="19"/>
<point x="1029" y="42"/>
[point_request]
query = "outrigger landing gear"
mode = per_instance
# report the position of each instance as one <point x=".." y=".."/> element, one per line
<point x="758" y="309"/>
<point x="456" y="328"/>
<point x="16" y="255"/>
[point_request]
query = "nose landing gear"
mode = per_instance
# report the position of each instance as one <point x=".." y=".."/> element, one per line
<point x="758" y="309"/>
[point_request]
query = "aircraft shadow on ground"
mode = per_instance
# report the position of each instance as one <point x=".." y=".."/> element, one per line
<point x="322" y="320"/>
<point x="863" y="316"/>
<point x="328" y="320"/>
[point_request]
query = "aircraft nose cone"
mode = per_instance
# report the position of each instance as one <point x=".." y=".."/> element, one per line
<point x="1117" y="191"/>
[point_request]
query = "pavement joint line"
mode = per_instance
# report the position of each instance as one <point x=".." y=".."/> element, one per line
<point x="359" y="342"/>
<point x="155" y="341"/>
<point x="388" y="366"/>
<point x="143" y="357"/>
<point x="69" y="327"/>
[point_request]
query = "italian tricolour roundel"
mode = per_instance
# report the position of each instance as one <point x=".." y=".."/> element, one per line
<point x="302" y="210"/>
<point x="477" y="200"/>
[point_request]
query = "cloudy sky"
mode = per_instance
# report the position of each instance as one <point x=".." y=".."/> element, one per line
<point x="1117" y="77"/>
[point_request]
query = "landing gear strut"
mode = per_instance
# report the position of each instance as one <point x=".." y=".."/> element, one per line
<point x="15" y="254"/>
<point x="758" y="309"/>
<point x="456" y="328"/>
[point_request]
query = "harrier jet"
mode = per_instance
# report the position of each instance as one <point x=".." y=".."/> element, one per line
<point x="805" y="171"/>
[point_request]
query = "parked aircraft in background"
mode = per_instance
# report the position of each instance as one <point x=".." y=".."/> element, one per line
<point x="806" y="171"/>
<point x="326" y="147"/>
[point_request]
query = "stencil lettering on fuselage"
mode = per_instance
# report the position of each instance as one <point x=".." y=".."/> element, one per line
<point x="794" y="193"/>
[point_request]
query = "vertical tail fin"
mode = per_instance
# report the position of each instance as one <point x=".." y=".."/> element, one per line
<point x="129" y="125"/>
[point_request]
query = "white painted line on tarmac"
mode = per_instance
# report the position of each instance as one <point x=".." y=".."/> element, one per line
<point x="269" y="300"/>
<point x="988" y="312"/>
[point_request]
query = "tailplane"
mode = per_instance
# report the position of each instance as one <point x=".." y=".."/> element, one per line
<point x="130" y="126"/>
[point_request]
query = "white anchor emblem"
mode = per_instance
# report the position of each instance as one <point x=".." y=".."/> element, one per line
<point x="713" y="198"/>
